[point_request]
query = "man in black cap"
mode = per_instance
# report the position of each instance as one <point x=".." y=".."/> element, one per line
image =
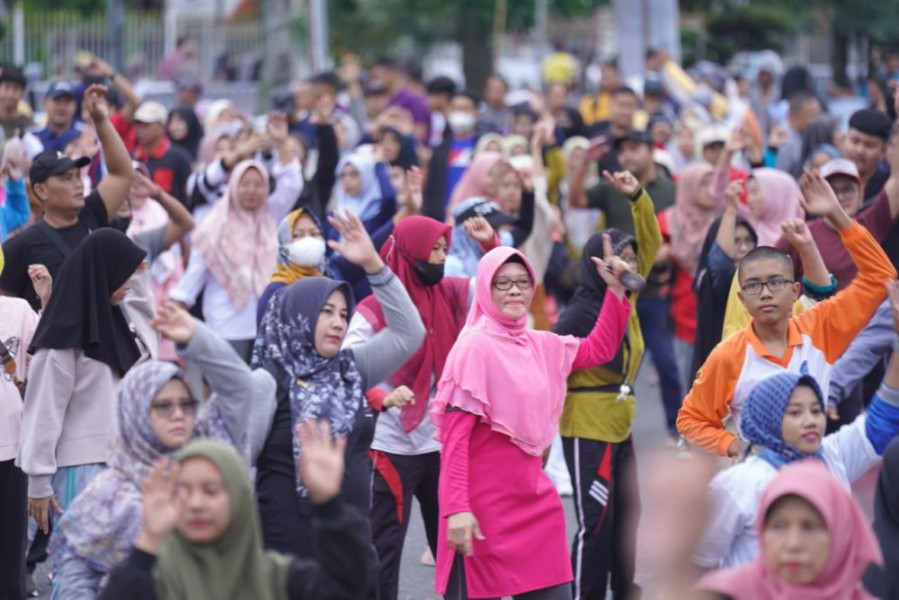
<point x="68" y="216"/>
<point x="866" y="146"/>
<point x="635" y="155"/>
<point x="12" y="89"/>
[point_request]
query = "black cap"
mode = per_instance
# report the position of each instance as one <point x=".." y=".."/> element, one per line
<point x="48" y="164"/>
<point x="872" y="122"/>
<point x="13" y="75"/>
<point x="634" y="135"/>
<point x="490" y="211"/>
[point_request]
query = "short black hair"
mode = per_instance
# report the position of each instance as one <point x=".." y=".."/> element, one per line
<point x="328" y="78"/>
<point x="441" y="85"/>
<point x="765" y="253"/>
<point x="499" y="78"/>
<point x="872" y="122"/>
<point x="800" y="99"/>
<point x="470" y="95"/>
<point x="13" y="75"/>
<point x="524" y="109"/>
<point x="388" y="62"/>
<point x="624" y="89"/>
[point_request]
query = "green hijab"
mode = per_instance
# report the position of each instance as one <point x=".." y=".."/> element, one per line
<point x="234" y="566"/>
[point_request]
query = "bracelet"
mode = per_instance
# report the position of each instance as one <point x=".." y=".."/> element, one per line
<point x="636" y="195"/>
<point x="817" y="292"/>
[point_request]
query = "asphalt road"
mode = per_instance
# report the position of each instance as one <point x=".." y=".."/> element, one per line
<point x="417" y="580"/>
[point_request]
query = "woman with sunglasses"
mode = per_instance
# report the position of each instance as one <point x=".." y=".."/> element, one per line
<point x="157" y="415"/>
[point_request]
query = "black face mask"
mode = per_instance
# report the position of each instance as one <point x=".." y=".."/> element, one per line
<point x="120" y="223"/>
<point x="428" y="274"/>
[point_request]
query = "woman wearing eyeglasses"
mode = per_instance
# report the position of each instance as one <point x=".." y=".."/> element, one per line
<point x="157" y="415"/>
<point x="497" y="410"/>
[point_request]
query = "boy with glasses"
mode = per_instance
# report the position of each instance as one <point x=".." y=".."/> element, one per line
<point x="775" y="341"/>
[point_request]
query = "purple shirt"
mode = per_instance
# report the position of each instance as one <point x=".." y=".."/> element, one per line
<point x="415" y="104"/>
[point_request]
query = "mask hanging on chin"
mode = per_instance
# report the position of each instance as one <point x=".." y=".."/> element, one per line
<point x="307" y="252"/>
<point x="428" y="273"/>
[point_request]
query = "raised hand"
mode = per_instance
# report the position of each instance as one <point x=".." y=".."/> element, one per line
<point x="732" y="193"/>
<point x="817" y="197"/>
<point x="42" y="282"/>
<point x="401" y="396"/>
<point x="610" y="267"/>
<point x="738" y="140"/>
<point x="323" y="109"/>
<point x="356" y="246"/>
<point x="797" y="233"/>
<point x="15" y="158"/>
<point x="95" y="103"/>
<point x="623" y="181"/>
<point x="462" y="528"/>
<point x="321" y="461"/>
<point x="413" y="188"/>
<point x="143" y="187"/>
<point x="778" y="137"/>
<point x="160" y="506"/>
<point x="174" y="323"/>
<point x="350" y="68"/>
<point x="276" y="127"/>
<point x="598" y="148"/>
<point x="479" y="230"/>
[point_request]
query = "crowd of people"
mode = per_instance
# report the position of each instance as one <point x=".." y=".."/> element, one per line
<point x="236" y="347"/>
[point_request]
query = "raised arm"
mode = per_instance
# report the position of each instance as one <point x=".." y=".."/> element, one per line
<point x="121" y="83"/>
<point x="180" y="220"/>
<point x="891" y="187"/>
<point x="115" y="186"/>
<point x="727" y="230"/>
<point x="815" y="271"/>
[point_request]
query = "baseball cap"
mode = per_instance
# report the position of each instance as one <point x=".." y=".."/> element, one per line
<point x="713" y="134"/>
<point x="48" y="164"/>
<point x="60" y="88"/>
<point x="634" y="135"/>
<point x="840" y="166"/>
<point x="189" y="82"/>
<point x="151" y="112"/>
<point x="489" y="210"/>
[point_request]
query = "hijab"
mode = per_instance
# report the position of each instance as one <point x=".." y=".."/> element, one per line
<point x="367" y="203"/>
<point x="286" y="271"/>
<point x="407" y="158"/>
<point x="711" y="305"/>
<point x="475" y="181"/>
<point x="235" y="566"/>
<point x="688" y="220"/>
<point x="853" y="546"/>
<point x="886" y="524"/>
<point x="492" y="370"/>
<point x="317" y="387"/>
<point x="191" y="142"/>
<point x="412" y="240"/>
<point x="780" y="197"/>
<point x="761" y="421"/>
<point x="79" y="314"/>
<point x="239" y="246"/>
<point x="485" y="140"/>
<point x="463" y="256"/>
<point x="101" y="524"/>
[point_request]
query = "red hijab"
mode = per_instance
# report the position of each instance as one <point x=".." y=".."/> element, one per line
<point x="442" y="308"/>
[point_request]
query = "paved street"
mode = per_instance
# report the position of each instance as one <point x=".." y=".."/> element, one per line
<point x="417" y="580"/>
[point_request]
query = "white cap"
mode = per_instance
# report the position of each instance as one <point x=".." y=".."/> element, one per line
<point x="713" y="134"/>
<point x="151" y="112"/>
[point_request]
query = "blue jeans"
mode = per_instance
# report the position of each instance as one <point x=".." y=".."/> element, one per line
<point x="659" y="339"/>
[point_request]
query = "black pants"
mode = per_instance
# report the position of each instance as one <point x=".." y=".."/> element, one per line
<point x="397" y="479"/>
<point x="13" y="530"/>
<point x="456" y="589"/>
<point x="607" y="504"/>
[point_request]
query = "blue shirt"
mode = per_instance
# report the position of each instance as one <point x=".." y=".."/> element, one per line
<point x="58" y="143"/>
<point x="459" y="159"/>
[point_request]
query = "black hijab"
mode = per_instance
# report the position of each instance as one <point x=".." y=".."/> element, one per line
<point x="191" y="141"/>
<point x="884" y="582"/>
<point x="711" y="304"/>
<point x="580" y="315"/>
<point x="408" y="157"/>
<point x="79" y="314"/>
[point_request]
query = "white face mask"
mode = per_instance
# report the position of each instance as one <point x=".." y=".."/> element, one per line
<point x="307" y="252"/>
<point x="460" y="121"/>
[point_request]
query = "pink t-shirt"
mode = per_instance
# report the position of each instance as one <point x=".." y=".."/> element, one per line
<point x="17" y="325"/>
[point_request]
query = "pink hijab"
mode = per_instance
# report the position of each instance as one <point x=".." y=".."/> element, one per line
<point x="476" y="179"/>
<point x="511" y="377"/>
<point x="853" y="547"/>
<point x="240" y="247"/>
<point x="688" y="221"/>
<point x="780" y="196"/>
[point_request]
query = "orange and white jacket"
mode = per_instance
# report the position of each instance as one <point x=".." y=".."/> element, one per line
<point x="816" y="338"/>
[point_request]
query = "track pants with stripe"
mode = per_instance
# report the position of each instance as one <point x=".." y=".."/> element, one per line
<point x="607" y="506"/>
<point x="397" y="478"/>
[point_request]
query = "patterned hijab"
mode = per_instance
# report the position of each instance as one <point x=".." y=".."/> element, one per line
<point x="317" y="387"/>
<point x="234" y="566"/>
<point x="240" y="246"/>
<point x="102" y="523"/>
<point x="762" y="417"/>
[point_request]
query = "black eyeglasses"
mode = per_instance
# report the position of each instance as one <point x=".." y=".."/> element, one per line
<point x="167" y="409"/>
<point x="504" y="284"/>
<point x="773" y="285"/>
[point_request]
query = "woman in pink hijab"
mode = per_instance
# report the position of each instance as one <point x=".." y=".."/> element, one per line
<point x="816" y="543"/>
<point x="772" y="198"/>
<point x="497" y="409"/>
<point x="479" y="180"/>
